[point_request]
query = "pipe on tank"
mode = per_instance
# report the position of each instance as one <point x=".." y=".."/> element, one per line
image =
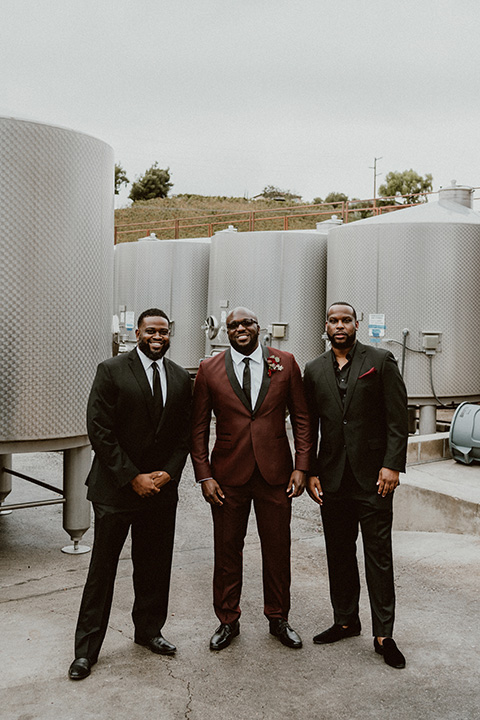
<point x="427" y="424"/>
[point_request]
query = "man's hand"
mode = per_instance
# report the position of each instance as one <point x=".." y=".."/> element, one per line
<point x="314" y="489"/>
<point x="160" y="478"/>
<point x="387" y="481"/>
<point x="144" y="485"/>
<point x="296" y="486"/>
<point x="212" y="492"/>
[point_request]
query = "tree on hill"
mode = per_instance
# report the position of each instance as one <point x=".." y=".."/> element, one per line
<point x="408" y="183"/>
<point x="154" y="183"/>
<point x="336" y="197"/>
<point x="120" y="178"/>
<point x="331" y="199"/>
<point x="271" y="192"/>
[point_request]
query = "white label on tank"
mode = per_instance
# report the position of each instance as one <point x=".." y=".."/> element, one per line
<point x="129" y="320"/>
<point x="376" y="326"/>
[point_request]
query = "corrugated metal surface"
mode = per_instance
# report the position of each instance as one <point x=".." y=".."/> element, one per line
<point x="420" y="267"/>
<point x="173" y="276"/>
<point x="278" y="275"/>
<point x="56" y="245"/>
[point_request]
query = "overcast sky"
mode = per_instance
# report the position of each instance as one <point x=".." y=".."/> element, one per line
<point x="234" y="95"/>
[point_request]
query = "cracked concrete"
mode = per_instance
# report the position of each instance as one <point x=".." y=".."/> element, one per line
<point x="256" y="677"/>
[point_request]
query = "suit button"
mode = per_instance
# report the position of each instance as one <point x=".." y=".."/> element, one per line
<point x="344" y="422"/>
<point x="253" y="417"/>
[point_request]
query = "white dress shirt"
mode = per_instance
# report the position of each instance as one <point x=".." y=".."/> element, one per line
<point x="256" y="369"/>
<point x="147" y="366"/>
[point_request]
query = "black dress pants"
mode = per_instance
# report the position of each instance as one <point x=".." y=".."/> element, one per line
<point x="343" y="513"/>
<point x="152" y="531"/>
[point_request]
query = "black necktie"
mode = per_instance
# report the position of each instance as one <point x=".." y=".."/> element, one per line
<point x="247" y="381"/>
<point x="157" y="393"/>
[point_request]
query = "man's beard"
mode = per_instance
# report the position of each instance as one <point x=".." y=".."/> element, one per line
<point x="151" y="354"/>
<point x="348" y="342"/>
<point x="245" y="349"/>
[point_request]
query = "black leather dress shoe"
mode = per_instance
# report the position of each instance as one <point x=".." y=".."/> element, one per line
<point x="391" y="653"/>
<point x="287" y="636"/>
<point x="337" y="632"/>
<point x="79" y="669"/>
<point x="224" y="634"/>
<point x="158" y="645"/>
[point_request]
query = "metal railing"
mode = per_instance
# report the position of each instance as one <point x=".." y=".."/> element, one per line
<point x="249" y="220"/>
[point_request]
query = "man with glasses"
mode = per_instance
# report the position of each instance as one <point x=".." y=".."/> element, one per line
<point x="249" y="388"/>
<point x="138" y="423"/>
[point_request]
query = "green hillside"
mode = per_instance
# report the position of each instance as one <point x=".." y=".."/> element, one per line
<point x="199" y="216"/>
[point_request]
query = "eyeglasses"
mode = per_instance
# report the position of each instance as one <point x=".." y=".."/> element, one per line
<point x="246" y="322"/>
<point x="153" y="331"/>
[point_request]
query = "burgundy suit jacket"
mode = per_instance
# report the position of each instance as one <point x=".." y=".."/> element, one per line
<point x="247" y="437"/>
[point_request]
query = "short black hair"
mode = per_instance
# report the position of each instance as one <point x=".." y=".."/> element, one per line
<point x="343" y="302"/>
<point x="152" y="312"/>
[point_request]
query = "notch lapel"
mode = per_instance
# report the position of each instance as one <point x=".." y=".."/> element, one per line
<point x="142" y="380"/>
<point x="357" y="362"/>
<point x="329" y="371"/>
<point x="171" y="389"/>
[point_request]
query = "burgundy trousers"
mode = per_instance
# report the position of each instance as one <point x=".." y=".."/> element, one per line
<point x="273" y="513"/>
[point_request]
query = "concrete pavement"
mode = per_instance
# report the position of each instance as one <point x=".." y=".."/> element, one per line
<point x="438" y="584"/>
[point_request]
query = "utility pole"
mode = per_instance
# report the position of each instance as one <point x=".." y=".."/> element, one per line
<point x="374" y="168"/>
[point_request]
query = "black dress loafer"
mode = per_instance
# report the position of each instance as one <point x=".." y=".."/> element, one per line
<point x="224" y="634"/>
<point x="391" y="653"/>
<point x="337" y="632"/>
<point x="287" y="636"/>
<point x="158" y="645"/>
<point x="79" y="669"/>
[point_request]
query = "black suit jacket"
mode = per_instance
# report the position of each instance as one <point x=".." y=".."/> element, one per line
<point x="371" y="429"/>
<point x="121" y="428"/>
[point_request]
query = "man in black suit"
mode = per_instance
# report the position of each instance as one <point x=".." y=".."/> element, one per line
<point x="356" y="394"/>
<point x="138" y="423"/>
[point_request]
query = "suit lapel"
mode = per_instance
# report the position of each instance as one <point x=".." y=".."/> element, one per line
<point x="357" y="362"/>
<point x="265" y="380"/>
<point x="331" y="379"/>
<point x="141" y="378"/>
<point x="171" y="389"/>
<point x="236" y="387"/>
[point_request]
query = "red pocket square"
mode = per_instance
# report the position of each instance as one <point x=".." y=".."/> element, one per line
<point x="369" y="372"/>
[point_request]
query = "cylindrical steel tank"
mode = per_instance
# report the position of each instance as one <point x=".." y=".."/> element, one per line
<point x="413" y="274"/>
<point x="461" y="194"/>
<point x="278" y="275"/>
<point x="56" y="280"/>
<point x="173" y="276"/>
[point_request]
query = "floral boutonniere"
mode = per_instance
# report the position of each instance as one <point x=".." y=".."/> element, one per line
<point x="273" y="363"/>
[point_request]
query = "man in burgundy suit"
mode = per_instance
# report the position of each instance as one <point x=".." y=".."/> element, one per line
<point x="249" y="388"/>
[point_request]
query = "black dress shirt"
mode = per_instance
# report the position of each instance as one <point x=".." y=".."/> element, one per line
<point x="342" y="374"/>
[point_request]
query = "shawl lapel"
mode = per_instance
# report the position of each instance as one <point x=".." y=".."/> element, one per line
<point x="265" y="380"/>
<point x="237" y="388"/>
